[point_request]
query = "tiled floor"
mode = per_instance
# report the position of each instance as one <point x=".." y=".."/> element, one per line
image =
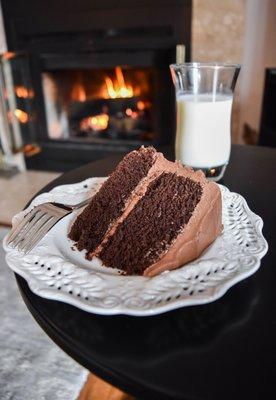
<point x="16" y="191"/>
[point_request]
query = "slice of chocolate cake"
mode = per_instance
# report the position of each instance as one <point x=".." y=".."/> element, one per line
<point x="151" y="215"/>
<point x="107" y="205"/>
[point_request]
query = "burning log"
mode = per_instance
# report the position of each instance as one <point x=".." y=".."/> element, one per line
<point x="109" y="116"/>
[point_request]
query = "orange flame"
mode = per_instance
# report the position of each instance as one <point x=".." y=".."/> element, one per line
<point x="141" y="105"/>
<point x="8" y="55"/>
<point x="111" y="92"/>
<point x="23" y="92"/>
<point x="78" y="93"/>
<point x="22" y="116"/>
<point x="118" y="89"/>
<point x="97" y="122"/>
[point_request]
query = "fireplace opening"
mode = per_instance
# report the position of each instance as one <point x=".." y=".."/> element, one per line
<point x="100" y="104"/>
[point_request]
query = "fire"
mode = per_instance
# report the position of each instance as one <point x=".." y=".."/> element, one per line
<point x="131" y="113"/>
<point x="96" y="123"/>
<point x="22" y="116"/>
<point x="31" y="149"/>
<point x="8" y="55"/>
<point x="118" y="89"/>
<point x="23" y="92"/>
<point x="78" y="93"/>
<point x="141" y="105"/>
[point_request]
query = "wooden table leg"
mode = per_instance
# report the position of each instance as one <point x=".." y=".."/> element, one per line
<point x="97" y="389"/>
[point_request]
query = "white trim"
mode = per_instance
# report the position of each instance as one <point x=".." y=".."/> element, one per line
<point x="3" y="41"/>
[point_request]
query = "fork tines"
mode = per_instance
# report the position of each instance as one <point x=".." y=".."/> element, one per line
<point x="34" y="226"/>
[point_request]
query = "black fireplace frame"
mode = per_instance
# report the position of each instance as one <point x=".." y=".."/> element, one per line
<point x="106" y="33"/>
<point x="267" y="135"/>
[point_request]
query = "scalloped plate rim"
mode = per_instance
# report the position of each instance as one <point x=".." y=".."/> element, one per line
<point x="132" y="312"/>
<point x="53" y="294"/>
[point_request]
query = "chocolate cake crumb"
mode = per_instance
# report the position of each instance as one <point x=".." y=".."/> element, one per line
<point x="108" y="203"/>
<point x="154" y="223"/>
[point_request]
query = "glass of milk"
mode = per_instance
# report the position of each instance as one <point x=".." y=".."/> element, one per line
<point x="204" y="97"/>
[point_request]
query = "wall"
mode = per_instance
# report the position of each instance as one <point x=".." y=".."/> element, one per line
<point x="218" y="35"/>
<point x="259" y="53"/>
<point x="242" y="31"/>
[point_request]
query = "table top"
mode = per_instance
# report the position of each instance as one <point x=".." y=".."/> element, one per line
<point x="223" y="350"/>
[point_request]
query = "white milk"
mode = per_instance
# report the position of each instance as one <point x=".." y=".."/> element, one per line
<point x="203" y="130"/>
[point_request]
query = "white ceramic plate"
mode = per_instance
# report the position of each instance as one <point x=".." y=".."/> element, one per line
<point x="55" y="271"/>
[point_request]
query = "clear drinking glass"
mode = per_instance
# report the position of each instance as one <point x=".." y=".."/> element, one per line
<point x="204" y="97"/>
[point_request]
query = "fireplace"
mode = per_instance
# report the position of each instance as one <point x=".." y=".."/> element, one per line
<point x="101" y="104"/>
<point x="93" y="79"/>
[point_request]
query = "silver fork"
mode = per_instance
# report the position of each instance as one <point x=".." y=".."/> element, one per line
<point x="37" y="223"/>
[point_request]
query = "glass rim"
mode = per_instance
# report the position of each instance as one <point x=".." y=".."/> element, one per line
<point x="214" y="65"/>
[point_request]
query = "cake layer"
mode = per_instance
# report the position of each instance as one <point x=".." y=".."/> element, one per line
<point x="158" y="167"/>
<point x="204" y="226"/>
<point x="153" y="224"/>
<point x="108" y="204"/>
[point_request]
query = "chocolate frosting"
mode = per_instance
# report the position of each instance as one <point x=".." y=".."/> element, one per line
<point x="202" y="229"/>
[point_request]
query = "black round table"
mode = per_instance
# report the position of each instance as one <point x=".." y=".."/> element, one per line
<point x="223" y="350"/>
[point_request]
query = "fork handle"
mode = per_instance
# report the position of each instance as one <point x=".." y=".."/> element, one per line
<point x="81" y="204"/>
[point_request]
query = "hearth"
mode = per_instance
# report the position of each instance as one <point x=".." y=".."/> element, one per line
<point x="93" y="78"/>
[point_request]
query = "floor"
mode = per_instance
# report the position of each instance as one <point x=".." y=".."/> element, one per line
<point x="32" y="367"/>
<point x="15" y="192"/>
